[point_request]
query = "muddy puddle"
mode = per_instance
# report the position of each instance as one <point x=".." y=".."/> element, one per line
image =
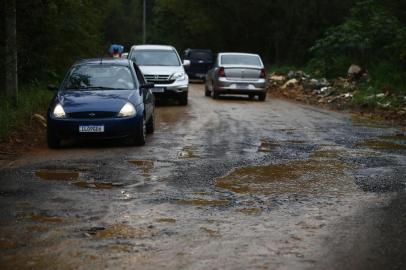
<point x="145" y="167"/>
<point x="46" y="219"/>
<point x="120" y="231"/>
<point x="249" y="211"/>
<point x="166" y="220"/>
<point x="366" y="121"/>
<point x="61" y="175"/>
<point x="321" y="173"/>
<point x="203" y="202"/>
<point x="266" y="145"/>
<point x="390" y="143"/>
<point x="187" y="152"/>
<point x="97" y="185"/>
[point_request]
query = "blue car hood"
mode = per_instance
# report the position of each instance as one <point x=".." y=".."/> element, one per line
<point x="100" y="100"/>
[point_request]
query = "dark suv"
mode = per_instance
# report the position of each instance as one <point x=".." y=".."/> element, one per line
<point x="201" y="60"/>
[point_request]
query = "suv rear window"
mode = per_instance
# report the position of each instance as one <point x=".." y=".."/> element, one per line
<point x="201" y="55"/>
<point x="239" y="59"/>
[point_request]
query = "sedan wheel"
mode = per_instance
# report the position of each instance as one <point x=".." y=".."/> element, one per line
<point x="139" y="138"/>
<point x="150" y="126"/>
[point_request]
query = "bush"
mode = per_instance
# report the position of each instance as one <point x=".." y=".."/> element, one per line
<point x="32" y="99"/>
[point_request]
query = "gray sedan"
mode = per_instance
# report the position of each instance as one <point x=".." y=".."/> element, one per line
<point x="237" y="73"/>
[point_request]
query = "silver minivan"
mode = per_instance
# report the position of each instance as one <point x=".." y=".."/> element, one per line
<point x="237" y="73"/>
<point x="162" y="66"/>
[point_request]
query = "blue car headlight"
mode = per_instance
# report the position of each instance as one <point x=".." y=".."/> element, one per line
<point x="128" y="110"/>
<point x="59" y="112"/>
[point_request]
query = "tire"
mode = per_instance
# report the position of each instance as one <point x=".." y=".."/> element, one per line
<point x="262" y="97"/>
<point x="183" y="98"/>
<point x="52" y="140"/>
<point x="150" y="126"/>
<point x="139" y="138"/>
<point x="207" y="92"/>
<point x="216" y="95"/>
<point x="251" y="96"/>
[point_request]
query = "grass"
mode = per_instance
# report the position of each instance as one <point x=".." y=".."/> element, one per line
<point x="31" y="99"/>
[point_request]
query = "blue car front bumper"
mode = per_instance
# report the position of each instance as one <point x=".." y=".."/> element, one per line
<point x="113" y="127"/>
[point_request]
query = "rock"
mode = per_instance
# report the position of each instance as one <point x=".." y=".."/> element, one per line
<point x="381" y="95"/>
<point x="291" y="83"/>
<point x="322" y="83"/>
<point x="310" y="84"/>
<point x="40" y="119"/>
<point x="277" y="78"/>
<point x="354" y="70"/>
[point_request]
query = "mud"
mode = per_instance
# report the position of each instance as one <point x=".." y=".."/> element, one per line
<point x="61" y="175"/>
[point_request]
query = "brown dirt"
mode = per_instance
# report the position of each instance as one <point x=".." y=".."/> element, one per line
<point x="23" y="140"/>
<point x="388" y="116"/>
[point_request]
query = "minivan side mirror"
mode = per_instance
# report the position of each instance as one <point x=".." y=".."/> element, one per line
<point x="52" y="87"/>
<point x="186" y="63"/>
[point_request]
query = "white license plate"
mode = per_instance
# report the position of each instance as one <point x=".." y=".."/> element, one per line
<point x="158" y="90"/>
<point x="91" y="129"/>
<point x="242" y="86"/>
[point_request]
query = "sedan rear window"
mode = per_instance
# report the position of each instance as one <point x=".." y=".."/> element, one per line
<point x="99" y="77"/>
<point x="239" y="59"/>
<point x="155" y="58"/>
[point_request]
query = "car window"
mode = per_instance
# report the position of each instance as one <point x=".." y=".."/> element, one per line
<point x="155" y="58"/>
<point x="99" y="77"/>
<point x="201" y="55"/>
<point x="239" y="59"/>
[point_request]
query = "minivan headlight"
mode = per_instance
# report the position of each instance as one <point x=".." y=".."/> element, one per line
<point x="59" y="112"/>
<point x="179" y="76"/>
<point x="128" y="110"/>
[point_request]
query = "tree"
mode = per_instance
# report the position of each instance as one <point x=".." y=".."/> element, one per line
<point x="11" y="52"/>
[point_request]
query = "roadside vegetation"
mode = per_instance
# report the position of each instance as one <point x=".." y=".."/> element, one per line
<point x="322" y="37"/>
<point x="32" y="99"/>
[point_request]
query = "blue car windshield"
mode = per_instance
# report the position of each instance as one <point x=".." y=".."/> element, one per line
<point x="155" y="58"/>
<point x="99" y="77"/>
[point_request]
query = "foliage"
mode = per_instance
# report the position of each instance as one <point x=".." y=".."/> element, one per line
<point x="32" y="99"/>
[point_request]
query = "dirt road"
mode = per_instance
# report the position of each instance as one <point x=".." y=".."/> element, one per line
<point x="223" y="184"/>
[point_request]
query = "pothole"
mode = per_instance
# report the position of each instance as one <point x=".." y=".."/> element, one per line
<point x="323" y="172"/>
<point x="202" y="202"/>
<point x="61" y="175"/>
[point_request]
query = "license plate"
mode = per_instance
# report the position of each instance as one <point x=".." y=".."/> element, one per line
<point x="242" y="86"/>
<point x="91" y="129"/>
<point x="158" y="90"/>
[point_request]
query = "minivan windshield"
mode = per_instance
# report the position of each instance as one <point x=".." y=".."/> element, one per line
<point x="240" y="59"/>
<point x="155" y="58"/>
<point x="99" y="77"/>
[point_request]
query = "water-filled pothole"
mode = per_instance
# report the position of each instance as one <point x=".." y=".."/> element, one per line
<point x="61" y="175"/>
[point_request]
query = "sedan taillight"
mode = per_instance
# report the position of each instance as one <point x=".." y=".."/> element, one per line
<point x="263" y="74"/>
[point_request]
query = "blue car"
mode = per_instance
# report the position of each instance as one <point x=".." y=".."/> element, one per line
<point x="101" y="99"/>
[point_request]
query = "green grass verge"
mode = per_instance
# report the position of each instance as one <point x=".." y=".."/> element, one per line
<point x="31" y="99"/>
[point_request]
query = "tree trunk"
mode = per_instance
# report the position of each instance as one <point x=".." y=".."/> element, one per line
<point x="11" y="52"/>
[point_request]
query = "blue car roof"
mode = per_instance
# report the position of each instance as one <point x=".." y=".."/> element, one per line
<point x="104" y="61"/>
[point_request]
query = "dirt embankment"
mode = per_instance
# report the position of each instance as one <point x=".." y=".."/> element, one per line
<point x="337" y="94"/>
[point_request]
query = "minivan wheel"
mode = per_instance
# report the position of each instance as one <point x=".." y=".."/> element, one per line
<point x="183" y="98"/>
<point x="262" y="97"/>
<point x="52" y="140"/>
<point x="150" y="126"/>
<point x="139" y="138"/>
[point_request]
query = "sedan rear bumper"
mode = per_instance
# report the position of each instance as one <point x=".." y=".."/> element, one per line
<point x="225" y="85"/>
